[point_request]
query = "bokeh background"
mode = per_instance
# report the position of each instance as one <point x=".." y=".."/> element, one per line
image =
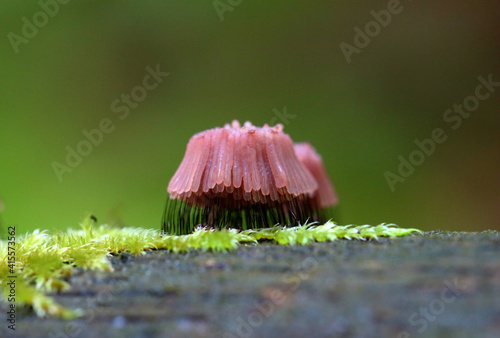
<point x="263" y="56"/>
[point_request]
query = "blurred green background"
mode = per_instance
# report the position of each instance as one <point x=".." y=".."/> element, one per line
<point x="261" y="57"/>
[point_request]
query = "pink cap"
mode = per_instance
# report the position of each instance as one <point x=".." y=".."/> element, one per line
<point x="248" y="162"/>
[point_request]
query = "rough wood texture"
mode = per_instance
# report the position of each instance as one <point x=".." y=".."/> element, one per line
<point x="434" y="285"/>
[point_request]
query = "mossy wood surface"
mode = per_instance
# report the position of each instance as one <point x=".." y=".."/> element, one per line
<point x="438" y="284"/>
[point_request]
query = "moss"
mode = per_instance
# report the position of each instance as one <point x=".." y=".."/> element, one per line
<point x="44" y="261"/>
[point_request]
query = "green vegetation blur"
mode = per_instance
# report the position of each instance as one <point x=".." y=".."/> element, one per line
<point x="79" y="73"/>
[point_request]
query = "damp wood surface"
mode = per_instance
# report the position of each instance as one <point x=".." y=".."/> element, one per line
<point x="439" y="284"/>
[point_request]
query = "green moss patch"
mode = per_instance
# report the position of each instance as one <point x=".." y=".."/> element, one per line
<point x="45" y="261"/>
